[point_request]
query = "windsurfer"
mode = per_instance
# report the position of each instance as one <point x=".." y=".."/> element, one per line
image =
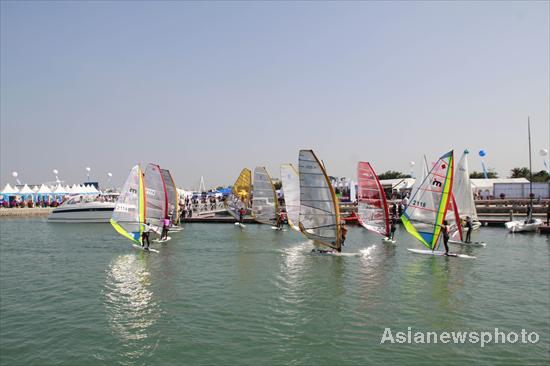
<point x="343" y="235"/>
<point x="165" y="227"/>
<point x="469" y="227"/>
<point x="145" y="235"/>
<point x="393" y="227"/>
<point x="241" y="215"/>
<point x="445" y="229"/>
<point x="280" y="220"/>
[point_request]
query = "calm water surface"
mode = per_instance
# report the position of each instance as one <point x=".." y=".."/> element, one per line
<point x="78" y="294"/>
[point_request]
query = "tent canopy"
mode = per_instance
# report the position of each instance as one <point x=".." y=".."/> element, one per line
<point x="9" y="190"/>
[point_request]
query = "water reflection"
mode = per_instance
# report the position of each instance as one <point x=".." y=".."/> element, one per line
<point x="130" y="305"/>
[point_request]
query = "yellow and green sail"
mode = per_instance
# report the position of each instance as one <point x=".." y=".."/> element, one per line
<point x="240" y="193"/>
<point x="129" y="213"/>
<point x="428" y="205"/>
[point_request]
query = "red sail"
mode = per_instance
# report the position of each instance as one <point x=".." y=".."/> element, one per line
<point x="372" y="206"/>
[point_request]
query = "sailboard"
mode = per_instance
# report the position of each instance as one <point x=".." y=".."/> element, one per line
<point x="440" y="254"/>
<point x="265" y="206"/>
<point x="240" y="194"/>
<point x="471" y="244"/>
<point x="145" y="250"/>
<point x="319" y="212"/>
<point x="129" y="213"/>
<point x="291" y="190"/>
<point x="429" y="203"/>
<point x="157" y="197"/>
<point x="372" y="205"/>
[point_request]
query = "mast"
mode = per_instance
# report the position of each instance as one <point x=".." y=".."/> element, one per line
<point x="530" y="171"/>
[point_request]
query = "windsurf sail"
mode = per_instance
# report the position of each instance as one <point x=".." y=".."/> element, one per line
<point x="157" y="197"/>
<point x="265" y="207"/>
<point x="291" y="192"/>
<point x="130" y="208"/>
<point x="319" y="211"/>
<point x="462" y="190"/>
<point x="240" y="194"/>
<point x="372" y="205"/>
<point x="172" y="194"/>
<point x="428" y="205"/>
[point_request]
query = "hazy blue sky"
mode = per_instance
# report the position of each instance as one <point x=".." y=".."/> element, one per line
<point x="207" y="88"/>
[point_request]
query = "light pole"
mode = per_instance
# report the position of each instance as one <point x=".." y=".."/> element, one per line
<point x="15" y="174"/>
<point x="88" y="170"/>
<point x="56" y="172"/>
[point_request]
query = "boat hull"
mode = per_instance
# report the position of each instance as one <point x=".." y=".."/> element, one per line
<point x="522" y="226"/>
<point x="94" y="212"/>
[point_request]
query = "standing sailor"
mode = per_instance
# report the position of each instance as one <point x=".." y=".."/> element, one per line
<point x="392" y="227"/>
<point x="241" y="215"/>
<point x="470" y="227"/>
<point x="445" y="229"/>
<point x="165" y="227"/>
<point x="145" y="235"/>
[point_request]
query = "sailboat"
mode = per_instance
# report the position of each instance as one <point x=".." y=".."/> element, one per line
<point x="129" y="213"/>
<point x="173" y="199"/>
<point x="372" y="205"/>
<point x="265" y="206"/>
<point x="156" y="197"/>
<point x="291" y="191"/>
<point x="530" y="224"/>
<point x="240" y="195"/>
<point x="319" y="210"/>
<point x="428" y="206"/>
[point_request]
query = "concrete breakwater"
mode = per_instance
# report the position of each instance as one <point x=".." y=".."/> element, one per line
<point x="24" y="212"/>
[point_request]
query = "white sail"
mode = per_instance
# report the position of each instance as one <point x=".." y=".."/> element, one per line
<point x="128" y="215"/>
<point x="264" y="198"/>
<point x="156" y="197"/>
<point x="319" y="211"/>
<point x="462" y="190"/>
<point x="291" y="192"/>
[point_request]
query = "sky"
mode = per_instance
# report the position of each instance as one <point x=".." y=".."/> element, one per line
<point x="207" y="88"/>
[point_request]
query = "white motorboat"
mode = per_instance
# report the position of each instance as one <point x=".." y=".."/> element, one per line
<point x="523" y="226"/>
<point x="85" y="208"/>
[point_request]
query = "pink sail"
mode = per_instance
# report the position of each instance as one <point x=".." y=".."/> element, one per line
<point x="372" y="206"/>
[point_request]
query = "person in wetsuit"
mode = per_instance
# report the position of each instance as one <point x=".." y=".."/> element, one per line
<point x="445" y="229"/>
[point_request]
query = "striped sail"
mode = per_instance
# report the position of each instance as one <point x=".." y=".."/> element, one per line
<point x="172" y="194"/>
<point x="264" y="198"/>
<point x="129" y="213"/>
<point x="157" y="197"/>
<point x="240" y="194"/>
<point x="319" y="211"/>
<point x="429" y="203"/>
<point x="372" y="205"/>
<point x="291" y="191"/>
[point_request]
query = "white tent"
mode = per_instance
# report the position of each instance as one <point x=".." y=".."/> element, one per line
<point x="44" y="189"/>
<point x="67" y="188"/>
<point x="9" y="190"/>
<point x="35" y="189"/>
<point x="93" y="189"/>
<point x="26" y="190"/>
<point x="60" y="190"/>
<point x="482" y="185"/>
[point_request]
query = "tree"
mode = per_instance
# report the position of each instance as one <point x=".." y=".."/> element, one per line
<point x="520" y="173"/>
<point x="478" y="175"/>
<point x="541" y="176"/>
<point x="391" y="174"/>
